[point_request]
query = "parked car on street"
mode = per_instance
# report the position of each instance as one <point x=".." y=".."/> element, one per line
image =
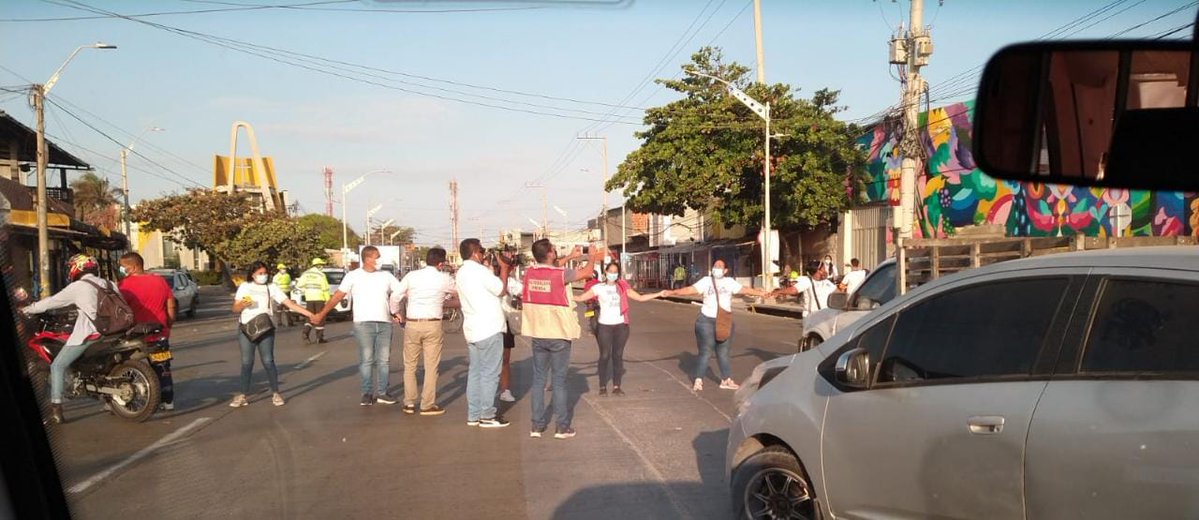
<point x="844" y="309"/>
<point x="1048" y="387"/>
<point x="187" y="293"/>
<point x="344" y="308"/>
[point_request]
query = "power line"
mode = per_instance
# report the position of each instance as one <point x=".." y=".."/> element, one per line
<point x="339" y="69"/>
<point x="118" y="143"/>
<point x="310" y="6"/>
<point x="1142" y="24"/>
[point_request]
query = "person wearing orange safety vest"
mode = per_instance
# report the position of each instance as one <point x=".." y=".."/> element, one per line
<point x="548" y="318"/>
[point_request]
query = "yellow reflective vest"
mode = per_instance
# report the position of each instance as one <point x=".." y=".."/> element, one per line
<point x="315" y="285"/>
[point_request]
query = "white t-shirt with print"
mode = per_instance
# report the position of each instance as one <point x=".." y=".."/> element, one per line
<point x="370" y="294"/>
<point x="261" y="294"/>
<point x="723" y="289"/>
<point x="609" y="304"/>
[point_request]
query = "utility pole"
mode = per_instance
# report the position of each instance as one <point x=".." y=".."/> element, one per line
<point x="328" y="191"/>
<point x="912" y="50"/>
<point x="604" y="215"/>
<point x="43" y="215"/>
<point x="758" y="38"/>
<point x="454" y="218"/>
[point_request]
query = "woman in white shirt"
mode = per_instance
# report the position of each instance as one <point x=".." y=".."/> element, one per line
<point x="717" y="290"/>
<point x="613" y="295"/>
<point x="254" y="297"/>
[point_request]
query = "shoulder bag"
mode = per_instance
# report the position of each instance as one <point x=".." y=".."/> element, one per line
<point x="724" y="318"/>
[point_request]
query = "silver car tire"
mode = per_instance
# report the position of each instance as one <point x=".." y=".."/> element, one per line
<point x="772" y="484"/>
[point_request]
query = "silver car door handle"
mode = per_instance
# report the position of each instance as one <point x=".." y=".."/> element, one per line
<point x="986" y="424"/>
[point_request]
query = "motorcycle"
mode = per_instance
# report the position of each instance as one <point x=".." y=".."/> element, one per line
<point x="115" y="369"/>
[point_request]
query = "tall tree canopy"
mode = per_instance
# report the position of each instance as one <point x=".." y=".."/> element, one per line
<point x="705" y="152"/>
<point x="96" y="201"/>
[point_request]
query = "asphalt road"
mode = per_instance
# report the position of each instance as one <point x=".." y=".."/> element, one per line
<point x="656" y="453"/>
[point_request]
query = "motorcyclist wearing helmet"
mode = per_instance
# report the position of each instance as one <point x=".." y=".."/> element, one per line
<point x="315" y="286"/>
<point x="83" y="271"/>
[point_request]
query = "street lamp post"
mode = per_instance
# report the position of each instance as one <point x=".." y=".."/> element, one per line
<point x="382" y="228"/>
<point x="43" y="209"/>
<point x="545" y="212"/>
<point x="345" y="190"/>
<point x="369" y="214"/>
<point x="537" y="226"/>
<point x="565" y="220"/>
<point x="763" y="111"/>
<point x="125" y="175"/>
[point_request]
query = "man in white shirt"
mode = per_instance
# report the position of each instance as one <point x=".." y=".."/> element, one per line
<point x="815" y="288"/>
<point x="426" y="290"/>
<point x="854" y="278"/>
<point x="370" y="290"/>
<point x="479" y="290"/>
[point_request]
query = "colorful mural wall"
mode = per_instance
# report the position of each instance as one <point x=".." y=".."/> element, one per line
<point x="955" y="193"/>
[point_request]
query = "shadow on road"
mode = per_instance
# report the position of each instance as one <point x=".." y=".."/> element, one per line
<point x="660" y="500"/>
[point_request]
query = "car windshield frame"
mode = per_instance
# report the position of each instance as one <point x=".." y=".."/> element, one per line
<point x="335" y="277"/>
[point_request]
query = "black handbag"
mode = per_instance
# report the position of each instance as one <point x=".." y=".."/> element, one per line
<point x="258" y="327"/>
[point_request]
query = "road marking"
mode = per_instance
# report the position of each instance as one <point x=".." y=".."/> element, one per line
<point x="142" y="453"/>
<point x="310" y="360"/>
<point x="685" y="385"/>
<point x="658" y="477"/>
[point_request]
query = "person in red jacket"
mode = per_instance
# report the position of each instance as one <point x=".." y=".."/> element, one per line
<point x="613" y="295"/>
<point x="152" y="301"/>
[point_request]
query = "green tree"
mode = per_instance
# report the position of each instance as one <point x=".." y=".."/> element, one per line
<point x="274" y="238"/>
<point x="705" y="152"/>
<point x="328" y="231"/>
<point x="95" y="201"/>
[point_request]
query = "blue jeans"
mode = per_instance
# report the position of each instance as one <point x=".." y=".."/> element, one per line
<point x="374" y="354"/>
<point x="58" y="369"/>
<point x="483" y="376"/>
<point x="266" y="352"/>
<point x="550" y="355"/>
<point x="705" y="339"/>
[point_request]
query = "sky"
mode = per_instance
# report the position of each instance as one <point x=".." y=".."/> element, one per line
<point x="490" y="94"/>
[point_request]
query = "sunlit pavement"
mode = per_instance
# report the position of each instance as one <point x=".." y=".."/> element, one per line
<point x="656" y="453"/>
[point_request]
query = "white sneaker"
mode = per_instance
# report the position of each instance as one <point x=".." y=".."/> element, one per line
<point x="698" y="386"/>
<point x="238" y="401"/>
<point x="729" y="384"/>
<point x="507" y="396"/>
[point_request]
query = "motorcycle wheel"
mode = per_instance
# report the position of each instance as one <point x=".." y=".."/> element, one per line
<point x="452" y="322"/>
<point x="139" y="388"/>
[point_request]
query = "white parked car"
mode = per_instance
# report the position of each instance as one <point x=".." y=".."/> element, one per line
<point x="187" y="293"/>
<point x="1050" y="387"/>
<point x="845" y="309"/>
<point x="335" y="275"/>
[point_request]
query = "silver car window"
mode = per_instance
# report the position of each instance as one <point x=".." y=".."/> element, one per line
<point x="989" y="330"/>
<point x="1143" y="326"/>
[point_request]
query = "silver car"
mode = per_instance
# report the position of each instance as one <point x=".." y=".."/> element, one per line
<point x="1062" y="386"/>
<point x="843" y="310"/>
<point x="183" y="288"/>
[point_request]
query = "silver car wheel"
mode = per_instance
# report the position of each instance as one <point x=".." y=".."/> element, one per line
<point x="778" y="493"/>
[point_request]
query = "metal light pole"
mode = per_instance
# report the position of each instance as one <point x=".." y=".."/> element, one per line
<point x="763" y="111"/>
<point x="370" y="214"/>
<point x="43" y="212"/>
<point x="623" y="215"/>
<point x="537" y="226"/>
<point x="391" y="239"/>
<point x="345" y="190"/>
<point x="758" y="41"/>
<point x="383" y="228"/>
<point x="125" y="174"/>
<point x="545" y="211"/>
<point x="565" y="220"/>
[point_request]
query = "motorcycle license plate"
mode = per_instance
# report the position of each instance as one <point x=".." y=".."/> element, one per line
<point x="159" y="357"/>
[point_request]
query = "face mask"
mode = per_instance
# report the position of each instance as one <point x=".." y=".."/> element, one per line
<point x="612" y="277"/>
<point x="717" y="272"/>
<point x="123" y="271"/>
<point x="260" y="279"/>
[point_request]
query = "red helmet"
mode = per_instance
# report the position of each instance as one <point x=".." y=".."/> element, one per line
<point x="80" y="264"/>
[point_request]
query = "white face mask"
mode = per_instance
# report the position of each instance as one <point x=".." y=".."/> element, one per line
<point x="612" y="277"/>
<point x="260" y="279"/>
<point x="717" y="272"/>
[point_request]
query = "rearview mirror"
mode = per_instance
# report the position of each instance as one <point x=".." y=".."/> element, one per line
<point x="853" y="368"/>
<point x="1105" y="113"/>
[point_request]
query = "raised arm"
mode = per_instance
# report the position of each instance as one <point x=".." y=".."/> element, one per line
<point x="587" y="295"/>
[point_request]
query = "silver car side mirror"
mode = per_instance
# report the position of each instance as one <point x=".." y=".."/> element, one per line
<point x="853" y="368"/>
<point x="838" y="300"/>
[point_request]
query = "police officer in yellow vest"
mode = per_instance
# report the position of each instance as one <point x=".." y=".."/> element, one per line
<point x="282" y="280"/>
<point x="315" y="286"/>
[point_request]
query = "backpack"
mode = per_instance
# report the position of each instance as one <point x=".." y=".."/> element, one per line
<point x="113" y="315"/>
